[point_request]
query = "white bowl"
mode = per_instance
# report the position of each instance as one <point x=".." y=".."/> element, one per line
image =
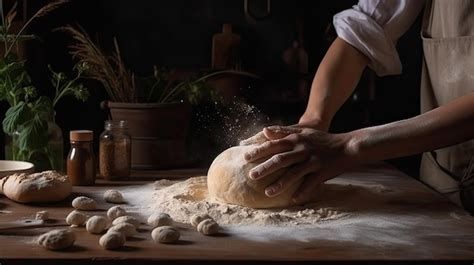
<point x="8" y="167"/>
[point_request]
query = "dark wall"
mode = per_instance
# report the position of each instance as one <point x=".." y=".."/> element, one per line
<point x="178" y="34"/>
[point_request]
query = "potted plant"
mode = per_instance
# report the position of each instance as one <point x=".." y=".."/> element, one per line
<point x="157" y="108"/>
<point x="29" y="122"/>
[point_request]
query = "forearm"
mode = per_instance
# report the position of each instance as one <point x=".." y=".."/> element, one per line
<point x="335" y="80"/>
<point x="444" y="126"/>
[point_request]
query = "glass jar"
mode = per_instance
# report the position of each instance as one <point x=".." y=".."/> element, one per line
<point x="45" y="155"/>
<point x="81" y="160"/>
<point x="115" y="151"/>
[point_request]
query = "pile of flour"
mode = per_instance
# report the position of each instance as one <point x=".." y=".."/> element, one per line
<point x="182" y="199"/>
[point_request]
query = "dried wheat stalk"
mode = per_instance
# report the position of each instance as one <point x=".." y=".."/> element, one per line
<point x="110" y="71"/>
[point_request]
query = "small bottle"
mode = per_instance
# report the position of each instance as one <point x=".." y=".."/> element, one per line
<point x="81" y="160"/>
<point x="115" y="151"/>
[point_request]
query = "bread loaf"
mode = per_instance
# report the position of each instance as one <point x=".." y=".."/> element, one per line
<point x="47" y="186"/>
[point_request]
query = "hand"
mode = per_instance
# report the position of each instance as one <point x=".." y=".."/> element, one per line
<point x="260" y="137"/>
<point x="307" y="153"/>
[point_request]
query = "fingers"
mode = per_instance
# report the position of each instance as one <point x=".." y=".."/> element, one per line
<point x="291" y="176"/>
<point x="258" y="138"/>
<point x="276" y="162"/>
<point x="278" y="132"/>
<point x="268" y="149"/>
<point x="308" y="188"/>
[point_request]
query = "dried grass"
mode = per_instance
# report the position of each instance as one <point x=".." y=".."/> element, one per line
<point x="110" y="71"/>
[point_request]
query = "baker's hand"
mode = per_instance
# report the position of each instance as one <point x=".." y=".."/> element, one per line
<point x="260" y="137"/>
<point x="307" y="153"/>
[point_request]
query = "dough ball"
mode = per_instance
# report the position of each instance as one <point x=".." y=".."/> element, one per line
<point x="159" y="219"/>
<point x="113" y="196"/>
<point x="57" y="239"/>
<point x="127" y="219"/>
<point x="228" y="182"/>
<point x="76" y="218"/>
<point x="47" y="186"/>
<point x="116" y="211"/>
<point x="165" y="234"/>
<point x="96" y="224"/>
<point x="197" y="218"/>
<point x="128" y="230"/>
<point x="84" y="203"/>
<point x="112" y="240"/>
<point x="208" y="227"/>
<point x="42" y="215"/>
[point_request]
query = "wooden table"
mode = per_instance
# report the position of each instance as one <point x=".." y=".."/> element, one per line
<point x="451" y="240"/>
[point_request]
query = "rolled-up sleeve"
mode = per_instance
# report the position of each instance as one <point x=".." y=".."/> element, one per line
<point x="374" y="26"/>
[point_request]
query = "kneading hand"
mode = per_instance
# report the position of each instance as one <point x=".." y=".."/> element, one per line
<point x="307" y="153"/>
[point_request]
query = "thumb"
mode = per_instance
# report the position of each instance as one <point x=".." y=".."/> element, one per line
<point x="278" y="132"/>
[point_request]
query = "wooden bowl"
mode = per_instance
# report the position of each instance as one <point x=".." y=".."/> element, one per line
<point x="8" y="167"/>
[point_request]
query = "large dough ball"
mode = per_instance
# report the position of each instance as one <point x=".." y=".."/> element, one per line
<point x="228" y="182"/>
<point x="47" y="186"/>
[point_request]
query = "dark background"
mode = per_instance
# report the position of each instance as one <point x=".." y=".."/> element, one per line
<point x="178" y="34"/>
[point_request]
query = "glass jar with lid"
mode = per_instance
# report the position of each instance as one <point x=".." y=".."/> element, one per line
<point x="115" y="151"/>
<point x="81" y="159"/>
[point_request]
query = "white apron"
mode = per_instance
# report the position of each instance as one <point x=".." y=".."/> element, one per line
<point x="448" y="73"/>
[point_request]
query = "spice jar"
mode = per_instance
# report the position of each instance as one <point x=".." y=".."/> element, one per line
<point x="81" y="160"/>
<point x="115" y="151"/>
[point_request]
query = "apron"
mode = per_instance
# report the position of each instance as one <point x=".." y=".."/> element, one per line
<point x="448" y="73"/>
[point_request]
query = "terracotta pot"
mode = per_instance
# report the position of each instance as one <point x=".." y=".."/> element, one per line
<point x="158" y="131"/>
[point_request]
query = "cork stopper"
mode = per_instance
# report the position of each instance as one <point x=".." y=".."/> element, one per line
<point x="81" y="136"/>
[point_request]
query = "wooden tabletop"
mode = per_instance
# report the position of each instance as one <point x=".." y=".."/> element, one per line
<point x="441" y="232"/>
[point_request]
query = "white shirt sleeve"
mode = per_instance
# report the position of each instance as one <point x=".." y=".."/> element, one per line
<point x="374" y="26"/>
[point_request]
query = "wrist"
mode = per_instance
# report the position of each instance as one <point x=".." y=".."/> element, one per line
<point x="313" y="122"/>
<point x="356" y="145"/>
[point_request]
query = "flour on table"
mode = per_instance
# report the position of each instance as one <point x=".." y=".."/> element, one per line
<point x="182" y="199"/>
<point x="374" y="208"/>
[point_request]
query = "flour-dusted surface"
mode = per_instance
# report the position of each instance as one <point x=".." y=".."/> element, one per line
<point x="354" y="207"/>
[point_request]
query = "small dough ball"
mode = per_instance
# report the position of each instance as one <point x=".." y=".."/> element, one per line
<point x="57" y="239"/>
<point x="208" y="227"/>
<point x="128" y="230"/>
<point x="159" y="219"/>
<point x="127" y="219"/>
<point x="84" y="203"/>
<point x="112" y="240"/>
<point x="165" y="234"/>
<point x="42" y="215"/>
<point x="197" y="218"/>
<point x="76" y="218"/>
<point x="113" y="196"/>
<point x="96" y="224"/>
<point x="116" y="211"/>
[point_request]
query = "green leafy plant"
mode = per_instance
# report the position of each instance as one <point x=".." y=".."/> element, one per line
<point x="122" y="85"/>
<point x="29" y="115"/>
